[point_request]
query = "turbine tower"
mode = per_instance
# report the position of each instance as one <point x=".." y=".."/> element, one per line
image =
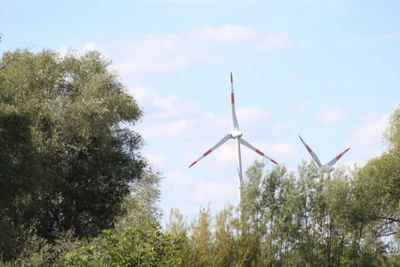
<point x="328" y="167"/>
<point x="236" y="134"/>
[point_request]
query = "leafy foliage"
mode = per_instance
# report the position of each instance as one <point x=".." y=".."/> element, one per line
<point x="140" y="206"/>
<point x="68" y="157"/>
<point x="135" y="247"/>
<point x="291" y="221"/>
<point x="19" y="180"/>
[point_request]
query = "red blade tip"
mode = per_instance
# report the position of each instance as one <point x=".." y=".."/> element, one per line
<point x="259" y="152"/>
<point x="192" y="164"/>
<point x="231" y="78"/>
<point x="208" y="152"/>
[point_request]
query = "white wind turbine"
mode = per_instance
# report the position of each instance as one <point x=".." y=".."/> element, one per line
<point x="328" y="167"/>
<point x="235" y="133"/>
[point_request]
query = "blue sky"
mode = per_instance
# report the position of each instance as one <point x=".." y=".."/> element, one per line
<point x="325" y="69"/>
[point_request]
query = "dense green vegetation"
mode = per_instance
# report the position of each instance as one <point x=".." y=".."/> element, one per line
<point x="68" y="158"/>
<point x="74" y="190"/>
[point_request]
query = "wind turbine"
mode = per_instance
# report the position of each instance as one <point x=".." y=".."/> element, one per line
<point x="235" y="133"/>
<point x="328" y="167"/>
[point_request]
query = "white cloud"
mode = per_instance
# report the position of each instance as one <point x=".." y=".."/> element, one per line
<point x="165" y="117"/>
<point x="218" y="122"/>
<point x="276" y="41"/>
<point x="330" y="114"/>
<point x="277" y="128"/>
<point x="241" y="35"/>
<point x="165" y="129"/>
<point x="207" y="191"/>
<point x="285" y="151"/>
<point x="366" y="139"/>
<point x="159" y="108"/>
<point x="176" y="186"/>
<point x="227" y="153"/>
<point x="143" y="95"/>
<point x="371" y="132"/>
<point x="171" y="107"/>
<point x="143" y="57"/>
<point x="156" y="159"/>
<point x="228" y="34"/>
<point x="250" y="115"/>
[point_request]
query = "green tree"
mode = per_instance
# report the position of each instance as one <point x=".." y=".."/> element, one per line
<point x="311" y="220"/>
<point x="19" y="180"/>
<point x="377" y="191"/>
<point x="177" y="226"/>
<point x="80" y="121"/>
<point x="308" y="220"/>
<point x="141" y="205"/>
<point x="201" y="240"/>
<point x="135" y="247"/>
<point x="225" y="237"/>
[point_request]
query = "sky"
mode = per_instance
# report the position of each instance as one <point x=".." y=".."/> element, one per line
<point x="325" y="69"/>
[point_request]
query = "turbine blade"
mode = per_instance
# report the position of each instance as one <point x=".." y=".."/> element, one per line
<point x="244" y="142"/>
<point x="234" y="119"/>
<point x="315" y="157"/>
<point x="333" y="161"/>
<point x="223" y="140"/>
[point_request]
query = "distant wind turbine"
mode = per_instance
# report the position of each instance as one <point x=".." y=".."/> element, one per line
<point x="235" y="133"/>
<point x="328" y="167"/>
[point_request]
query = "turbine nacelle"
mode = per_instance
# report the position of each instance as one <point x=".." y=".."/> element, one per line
<point x="236" y="133"/>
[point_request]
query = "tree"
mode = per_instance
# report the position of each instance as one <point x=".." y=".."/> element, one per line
<point x="392" y="133"/>
<point x="286" y="220"/>
<point x="378" y="187"/>
<point x="177" y="226"/>
<point x="140" y="206"/>
<point x="80" y="121"/>
<point x="226" y="235"/>
<point x="201" y="240"/>
<point x="136" y="247"/>
<point x="309" y="220"/>
<point x="19" y="180"/>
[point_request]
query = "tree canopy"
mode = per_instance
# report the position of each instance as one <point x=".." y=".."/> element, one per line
<point x="68" y="153"/>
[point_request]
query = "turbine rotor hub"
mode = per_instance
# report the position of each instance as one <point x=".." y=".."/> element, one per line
<point x="327" y="168"/>
<point x="236" y="133"/>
